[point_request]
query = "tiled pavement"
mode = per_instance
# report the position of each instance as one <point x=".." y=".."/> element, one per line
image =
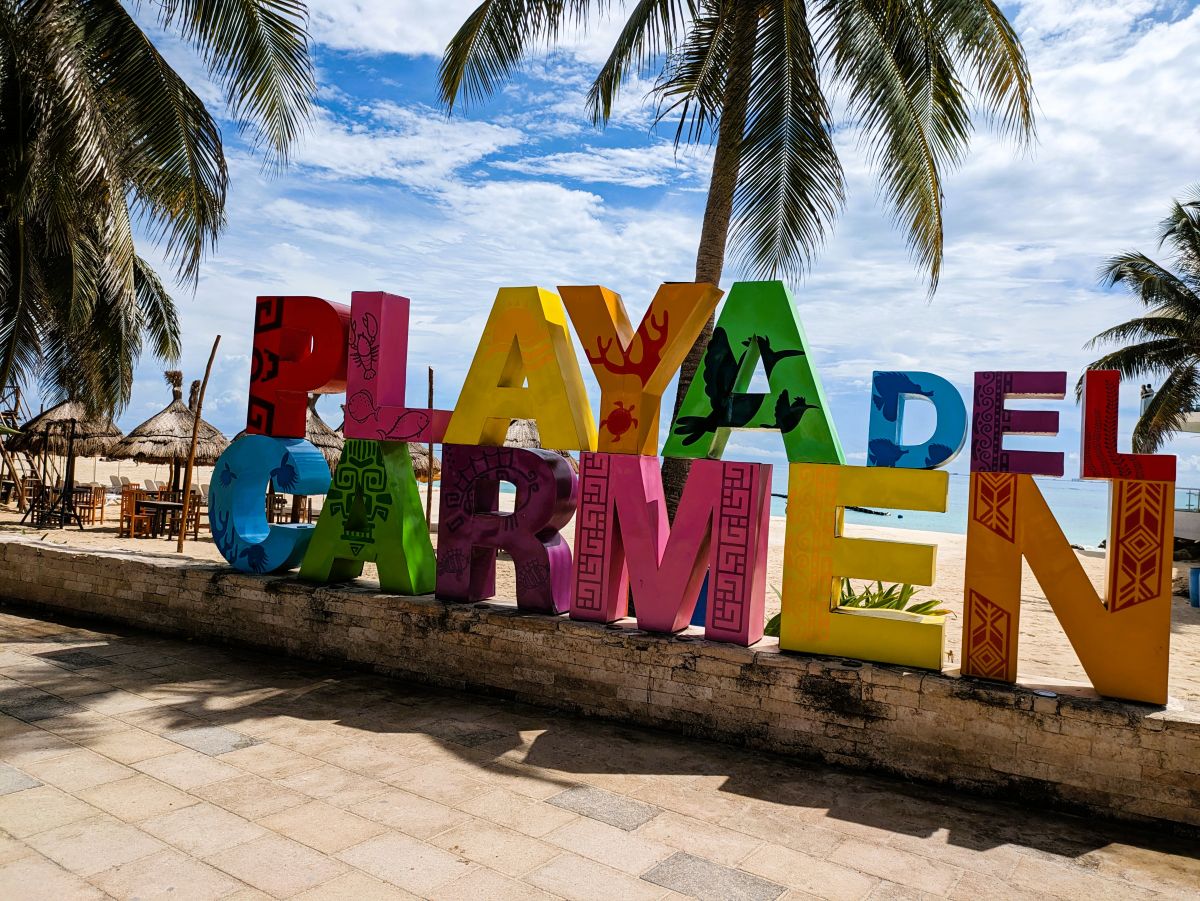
<point x="138" y="767"/>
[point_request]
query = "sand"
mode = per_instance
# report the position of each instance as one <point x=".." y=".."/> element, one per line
<point x="1045" y="652"/>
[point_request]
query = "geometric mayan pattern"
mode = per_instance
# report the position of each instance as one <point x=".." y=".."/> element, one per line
<point x="994" y="502"/>
<point x="1139" y="514"/>
<point x="736" y="518"/>
<point x="591" y="527"/>
<point x="985" y="638"/>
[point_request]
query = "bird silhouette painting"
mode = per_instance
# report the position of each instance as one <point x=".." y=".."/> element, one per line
<point x="770" y="356"/>
<point x="895" y="385"/>
<point x="729" y="408"/>
<point x="788" y="413"/>
<point x="937" y="454"/>
<point x="884" y="452"/>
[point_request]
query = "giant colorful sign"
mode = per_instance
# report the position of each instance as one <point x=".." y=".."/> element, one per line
<point x="625" y="546"/>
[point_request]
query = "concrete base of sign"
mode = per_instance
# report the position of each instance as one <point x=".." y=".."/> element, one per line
<point x="1062" y="747"/>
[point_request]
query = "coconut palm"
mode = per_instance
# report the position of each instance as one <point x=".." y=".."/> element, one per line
<point x="98" y="133"/>
<point x="758" y="77"/>
<point x="1168" y="336"/>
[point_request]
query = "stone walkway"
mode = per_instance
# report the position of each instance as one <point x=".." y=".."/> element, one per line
<point x="138" y="767"/>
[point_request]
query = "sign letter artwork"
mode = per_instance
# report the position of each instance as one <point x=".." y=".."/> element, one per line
<point x="373" y="513"/>
<point x="1122" y="640"/>
<point x="236" y="511"/>
<point x="889" y="391"/>
<point x="471" y="530"/>
<point x="524" y="368"/>
<point x="375" y="377"/>
<point x="991" y="421"/>
<point x="817" y="557"/>
<point x="758" y="324"/>
<point x="299" y="349"/>
<point x="635" y="368"/>
<point x="626" y="549"/>
<point x="1099" y="456"/>
<point x="624" y="542"/>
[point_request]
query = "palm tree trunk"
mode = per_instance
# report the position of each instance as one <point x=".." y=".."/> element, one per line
<point x="710" y="258"/>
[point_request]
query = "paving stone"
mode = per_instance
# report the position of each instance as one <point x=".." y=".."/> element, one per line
<point x="95" y="844"/>
<point x="78" y="770"/>
<point x="616" y="810"/>
<point x="202" y="829"/>
<point x="36" y="809"/>
<point x="356" y="886"/>
<point x="76" y="659"/>
<point x="324" y="827"/>
<point x="42" y="709"/>
<point x="187" y="769"/>
<point x="38" y="879"/>
<point x="213" y="740"/>
<point x="708" y="881"/>
<point x="406" y="862"/>
<point x="580" y="879"/>
<point x="136" y="798"/>
<point x="166" y="874"/>
<point x="277" y="866"/>
<point x="410" y="813"/>
<point x="13" y="780"/>
<point x="494" y="846"/>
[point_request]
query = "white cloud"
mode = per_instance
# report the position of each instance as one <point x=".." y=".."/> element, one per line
<point x="423" y="27"/>
<point x="633" y="167"/>
<point x="412" y="145"/>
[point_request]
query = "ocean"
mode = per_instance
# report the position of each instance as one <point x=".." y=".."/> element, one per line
<point x="1080" y="507"/>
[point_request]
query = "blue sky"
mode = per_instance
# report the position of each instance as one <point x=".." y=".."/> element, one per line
<point x="388" y="193"/>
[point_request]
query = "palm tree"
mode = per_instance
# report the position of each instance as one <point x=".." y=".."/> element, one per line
<point x="99" y="134"/>
<point x="758" y="75"/>
<point x="1168" y="335"/>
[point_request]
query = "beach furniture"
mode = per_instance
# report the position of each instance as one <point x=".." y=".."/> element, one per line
<point x="134" y="523"/>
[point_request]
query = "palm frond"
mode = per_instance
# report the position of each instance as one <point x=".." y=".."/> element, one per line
<point x="789" y="188"/>
<point x="692" y="84"/>
<point x="495" y="39"/>
<point x="1167" y="410"/>
<point x="650" y="31"/>
<point x="258" y="51"/>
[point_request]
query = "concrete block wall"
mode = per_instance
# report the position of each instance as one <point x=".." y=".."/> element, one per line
<point x="1121" y="760"/>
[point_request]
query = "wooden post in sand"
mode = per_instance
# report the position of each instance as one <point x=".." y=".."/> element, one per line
<point x="429" y="481"/>
<point x="187" y="475"/>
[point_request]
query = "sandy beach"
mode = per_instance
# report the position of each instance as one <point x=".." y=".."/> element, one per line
<point x="1046" y="655"/>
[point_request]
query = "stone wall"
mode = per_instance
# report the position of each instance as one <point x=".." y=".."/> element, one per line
<point x="1072" y="751"/>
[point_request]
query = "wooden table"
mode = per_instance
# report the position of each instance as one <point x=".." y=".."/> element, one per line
<point x="160" y="509"/>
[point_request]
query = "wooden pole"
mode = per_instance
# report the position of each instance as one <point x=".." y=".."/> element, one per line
<point x="187" y="476"/>
<point x="429" y="483"/>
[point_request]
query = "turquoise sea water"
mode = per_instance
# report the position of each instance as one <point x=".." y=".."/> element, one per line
<point x="1080" y="507"/>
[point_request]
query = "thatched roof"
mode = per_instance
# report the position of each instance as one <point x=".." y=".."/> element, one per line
<point x="328" y="441"/>
<point x="325" y="439"/>
<point x="524" y="433"/>
<point x="94" y="437"/>
<point x="166" y="437"/>
<point x="420" y="460"/>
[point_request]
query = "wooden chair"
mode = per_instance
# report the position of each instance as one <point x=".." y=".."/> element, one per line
<point x="134" y="524"/>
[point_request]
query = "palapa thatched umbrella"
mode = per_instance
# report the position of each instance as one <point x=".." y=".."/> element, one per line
<point x="425" y="467"/>
<point x="328" y="441"/>
<point x="166" y="437"/>
<point x="66" y="430"/>
<point x="50" y="431"/>
<point x="325" y="439"/>
<point x="524" y="433"/>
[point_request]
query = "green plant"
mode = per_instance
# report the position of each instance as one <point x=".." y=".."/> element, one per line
<point x="1165" y="342"/>
<point x="100" y="135"/>
<point x="872" y="597"/>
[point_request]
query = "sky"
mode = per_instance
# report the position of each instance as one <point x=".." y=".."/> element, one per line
<point x="387" y="192"/>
